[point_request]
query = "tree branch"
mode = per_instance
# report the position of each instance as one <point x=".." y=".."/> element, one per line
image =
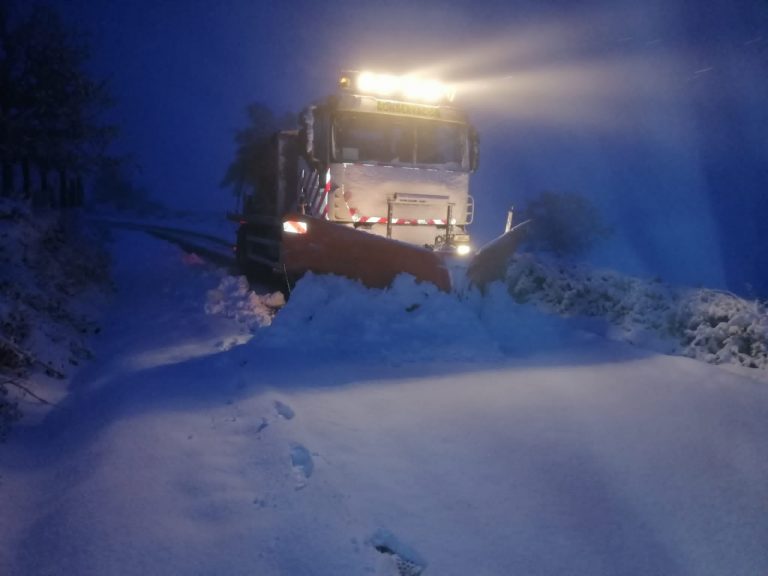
<point x="27" y="391"/>
<point x="24" y="355"/>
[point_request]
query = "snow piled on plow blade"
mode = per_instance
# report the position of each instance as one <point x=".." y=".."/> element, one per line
<point x="330" y="316"/>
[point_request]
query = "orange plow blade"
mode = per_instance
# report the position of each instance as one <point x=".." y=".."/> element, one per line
<point x="490" y="262"/>
<point x="323" y="247"/>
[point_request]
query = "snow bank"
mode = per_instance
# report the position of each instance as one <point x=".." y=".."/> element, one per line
<point x="233" y="298"/>
<point x="714" y="326"/>
<point x="329" y="315"/>
<point x="408" y="322"/>
<point x="51" y="273"/>
<point x="543" y="304"/>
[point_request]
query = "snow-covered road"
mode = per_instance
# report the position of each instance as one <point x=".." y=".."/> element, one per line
<point x="470" y="437"/>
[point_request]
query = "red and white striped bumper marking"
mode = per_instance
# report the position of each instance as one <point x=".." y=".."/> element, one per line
<point x="295" y="227"/>
<point x="401" y="221"/>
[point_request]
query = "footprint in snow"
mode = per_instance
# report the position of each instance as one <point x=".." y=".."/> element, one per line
<point x="404" y="559"/>
<point x="302" y="463"/>
<point x="284" y="410"/>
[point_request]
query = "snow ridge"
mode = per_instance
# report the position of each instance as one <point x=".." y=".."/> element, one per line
<point x="410" y="321"/>
<point x="714" y="326"/>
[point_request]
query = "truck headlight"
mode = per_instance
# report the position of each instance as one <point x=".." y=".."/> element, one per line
<point x="412" y="88"/>
<point x="463" y="249"/>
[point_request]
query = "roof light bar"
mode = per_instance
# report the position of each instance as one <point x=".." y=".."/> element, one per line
<point x="408" y="87"/>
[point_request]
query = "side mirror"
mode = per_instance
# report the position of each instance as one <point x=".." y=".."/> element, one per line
<point x="307" y="133"/>
<point x="474" y="149"/>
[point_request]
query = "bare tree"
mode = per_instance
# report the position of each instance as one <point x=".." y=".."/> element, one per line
<point x="50" y="107"/>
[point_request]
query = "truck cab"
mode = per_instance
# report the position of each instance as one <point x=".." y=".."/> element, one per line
<point x="390" y="159"/>
<point x="381" y="167"/>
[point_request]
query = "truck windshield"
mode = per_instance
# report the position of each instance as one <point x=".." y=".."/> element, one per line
<point x="398" y="141"/>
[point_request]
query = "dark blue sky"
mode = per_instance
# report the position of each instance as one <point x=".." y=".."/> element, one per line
<point x="655" y="112"/>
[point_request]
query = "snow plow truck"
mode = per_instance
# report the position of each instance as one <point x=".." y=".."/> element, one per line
<point x="373" y="183"/>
